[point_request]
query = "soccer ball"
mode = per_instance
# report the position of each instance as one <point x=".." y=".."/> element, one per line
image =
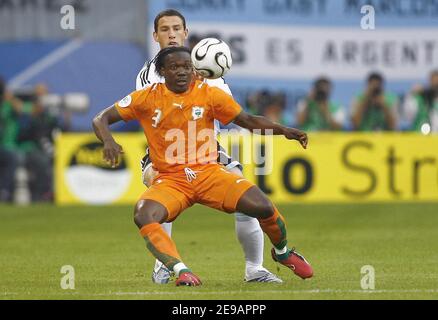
<point x="211" y="58"/>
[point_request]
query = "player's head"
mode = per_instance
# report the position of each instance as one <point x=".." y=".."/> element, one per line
<point x="170" y="29"/>
<point x="175" y="65"/>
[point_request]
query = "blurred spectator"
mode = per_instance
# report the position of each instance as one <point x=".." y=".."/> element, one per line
<point x="35" y="141"/>
<point x="274" y="108"/>
<point x="421" y="107"/>
<point x="8" y="166"/>
<point x="257" y="100"/>
<point x="27" y="128"/>
<point x="9" y="107"/>
<point x="317" y="112"/>
<point x="375" y="109"/>
<point x="268" y="104"/>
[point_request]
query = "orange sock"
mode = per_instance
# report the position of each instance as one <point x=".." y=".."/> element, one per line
<point x="160" y="245"/>
<point x="275" y="228"/>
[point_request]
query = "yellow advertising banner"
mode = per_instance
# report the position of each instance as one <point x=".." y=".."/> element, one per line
<point x="82" y="177"/>
<point x="336" y="167"/>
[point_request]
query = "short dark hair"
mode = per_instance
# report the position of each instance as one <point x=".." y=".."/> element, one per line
<point x="375" y="76"/>
<point x="169" y="13"/>
<point x="161" y="56"/>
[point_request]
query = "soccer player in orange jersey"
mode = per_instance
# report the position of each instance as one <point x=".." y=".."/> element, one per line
<point x="178" y="120"/>
<point x="170" y="30"/>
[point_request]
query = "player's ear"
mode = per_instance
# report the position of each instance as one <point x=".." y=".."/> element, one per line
<point x="186" y="34"/>
<point x="161" y="72"/>
<point x="155" y="35"/>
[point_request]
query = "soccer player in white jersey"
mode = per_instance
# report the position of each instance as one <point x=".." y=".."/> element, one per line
<point x="170" y="30"/>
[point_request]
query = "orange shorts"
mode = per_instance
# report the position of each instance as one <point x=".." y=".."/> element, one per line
<point x="213" y="186"/>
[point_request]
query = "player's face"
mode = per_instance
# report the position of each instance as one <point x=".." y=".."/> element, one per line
<point x="178" y="71"/>
<point x="170" y="32"/>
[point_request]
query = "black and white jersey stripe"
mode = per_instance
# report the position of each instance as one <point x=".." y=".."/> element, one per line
<point x="144" y="74"/>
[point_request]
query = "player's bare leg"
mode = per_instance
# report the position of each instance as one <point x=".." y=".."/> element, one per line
<point x="148" y="216"/>
<point x="248" y="231"/>
<point x="251" y="239"/>
<point x="256" y="204"/>
<point x="160" y="273"/>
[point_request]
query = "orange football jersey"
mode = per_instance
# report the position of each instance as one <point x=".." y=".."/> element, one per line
<point x="180" y="127"/>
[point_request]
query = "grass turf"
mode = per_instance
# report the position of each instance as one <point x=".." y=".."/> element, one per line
<point x="111" y="262"/>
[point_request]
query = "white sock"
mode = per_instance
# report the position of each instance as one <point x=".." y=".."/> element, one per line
<point x="251" y="239"/>
<point x="167" y="227"/>
<point x="282" y="251"/>
<point x="178" y="267"/>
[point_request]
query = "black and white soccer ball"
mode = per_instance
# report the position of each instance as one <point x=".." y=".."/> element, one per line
<point x="212" y="58"/>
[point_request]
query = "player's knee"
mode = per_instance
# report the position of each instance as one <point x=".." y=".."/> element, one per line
<point x="255" y="204"/>
<point x="147" y="212"/>
<point x="140" y="218"/>
<point x="265" y="208"/>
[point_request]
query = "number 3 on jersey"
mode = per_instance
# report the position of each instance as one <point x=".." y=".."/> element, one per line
<point x="156" y="119"/>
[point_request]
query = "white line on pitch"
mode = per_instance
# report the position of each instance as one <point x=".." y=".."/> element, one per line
<point x="269" y="291"/>
<point x="152" y="293"/>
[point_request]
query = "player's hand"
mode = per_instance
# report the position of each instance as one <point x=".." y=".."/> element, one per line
<point x="111" y="152"/>
<point x="295" y="134"/>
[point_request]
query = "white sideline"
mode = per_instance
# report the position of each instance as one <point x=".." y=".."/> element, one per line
<point x="154" y="293"/>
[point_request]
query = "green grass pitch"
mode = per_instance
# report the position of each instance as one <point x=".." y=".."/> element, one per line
<point x="111" y="262"/>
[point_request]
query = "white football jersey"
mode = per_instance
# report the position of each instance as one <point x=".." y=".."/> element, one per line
<point x="147" y="77"/>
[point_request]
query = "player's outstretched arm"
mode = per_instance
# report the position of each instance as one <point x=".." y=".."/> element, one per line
<point x="101" y="123"/>
<point x="251" y="122"/>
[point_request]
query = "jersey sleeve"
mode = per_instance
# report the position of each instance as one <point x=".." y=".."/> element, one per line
<point x="143" y="80"/>
<point x="128" y="106"/>
<point x="147" y="76"/>
<point x="219" y="83"/>
<point x="225" y="108"/>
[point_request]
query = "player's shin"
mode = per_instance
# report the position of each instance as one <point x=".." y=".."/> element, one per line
<point x="162" y="247"/>
<point x="275" y="228"/>
<point x="158" y="264"/>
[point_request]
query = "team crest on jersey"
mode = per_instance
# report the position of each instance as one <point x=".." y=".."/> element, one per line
<point x="125" y="102"/>
<point x="197" y="113"/>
